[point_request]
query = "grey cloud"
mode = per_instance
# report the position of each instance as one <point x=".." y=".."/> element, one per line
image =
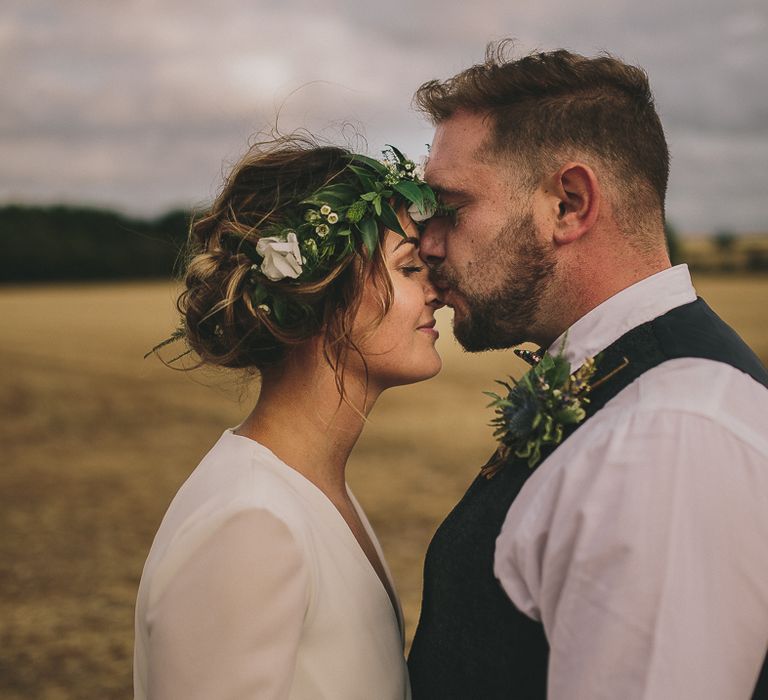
<point x="138" y="103"/>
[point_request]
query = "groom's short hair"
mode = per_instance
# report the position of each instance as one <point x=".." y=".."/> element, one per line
<point x="547" y="105"/>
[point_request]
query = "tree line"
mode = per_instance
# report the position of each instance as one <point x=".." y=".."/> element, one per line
<point x="64" y="243"/>
<point x="68" y="243"/>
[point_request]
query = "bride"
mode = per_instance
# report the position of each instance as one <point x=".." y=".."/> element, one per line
<point x="265" y="579"/>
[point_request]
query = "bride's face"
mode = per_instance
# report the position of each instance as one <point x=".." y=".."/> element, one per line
<point x="401" y="348"/>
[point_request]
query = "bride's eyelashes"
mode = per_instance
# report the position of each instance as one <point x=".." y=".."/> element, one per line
<point x="409" y="270"/>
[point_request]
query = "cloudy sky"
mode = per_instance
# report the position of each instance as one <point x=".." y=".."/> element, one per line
<point x="142" y="104"/>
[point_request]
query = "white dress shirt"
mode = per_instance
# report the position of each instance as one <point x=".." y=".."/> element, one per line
<point x="256" y="588"/>
<point x="641" y="544"/>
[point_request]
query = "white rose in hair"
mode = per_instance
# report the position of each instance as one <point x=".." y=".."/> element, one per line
<point x="282" y="257"/>
<point x="418" y="215"/>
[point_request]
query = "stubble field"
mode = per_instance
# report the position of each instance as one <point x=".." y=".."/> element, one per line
<point x="94" y="442"/>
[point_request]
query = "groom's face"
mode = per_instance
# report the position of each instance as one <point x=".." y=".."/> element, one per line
<point x="488" y="259"/>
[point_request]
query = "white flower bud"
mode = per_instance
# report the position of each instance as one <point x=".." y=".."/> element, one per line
<point x="333" y="217"/>
<point x="418" y="215"/>
<point x="325" y="210"/>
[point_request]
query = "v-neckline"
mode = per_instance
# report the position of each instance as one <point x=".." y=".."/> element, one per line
<point x="319" y="494"/>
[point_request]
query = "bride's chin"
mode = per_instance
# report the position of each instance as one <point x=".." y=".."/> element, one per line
<point x="421" y="372"/>
<point x="437" y="366"/>
<point x="387" y="370"/>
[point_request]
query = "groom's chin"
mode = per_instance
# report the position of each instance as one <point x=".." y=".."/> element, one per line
<point x="473" y="338"/>
<point x="478" y="333"/>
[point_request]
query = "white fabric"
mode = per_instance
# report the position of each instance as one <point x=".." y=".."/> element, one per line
<point x="642" y="542"/>
<point x="256" y="588"/>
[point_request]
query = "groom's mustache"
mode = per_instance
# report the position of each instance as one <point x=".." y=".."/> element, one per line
<point x="442" y="279"/>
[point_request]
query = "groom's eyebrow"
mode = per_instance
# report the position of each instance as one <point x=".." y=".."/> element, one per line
<point x="450" y="192"/>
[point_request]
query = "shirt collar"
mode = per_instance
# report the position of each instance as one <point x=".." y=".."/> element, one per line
<point x="629" y="308"/>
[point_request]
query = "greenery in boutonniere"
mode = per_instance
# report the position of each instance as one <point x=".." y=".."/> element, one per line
<point x="536" y="408"/>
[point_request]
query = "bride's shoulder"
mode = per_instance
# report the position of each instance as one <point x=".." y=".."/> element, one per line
<point x="239" y="473"/>
<point x="236" y="482"/>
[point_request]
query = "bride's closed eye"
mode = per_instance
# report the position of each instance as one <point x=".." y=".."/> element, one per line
<point x="409" y="270"/>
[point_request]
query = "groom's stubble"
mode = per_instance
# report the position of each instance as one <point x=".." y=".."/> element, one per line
<point x="521" y="268"/>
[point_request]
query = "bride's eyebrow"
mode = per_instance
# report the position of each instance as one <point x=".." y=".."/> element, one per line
<point x="410" y="239"/>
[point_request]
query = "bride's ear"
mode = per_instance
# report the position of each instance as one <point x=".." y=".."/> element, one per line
<point x="575" y="200"/>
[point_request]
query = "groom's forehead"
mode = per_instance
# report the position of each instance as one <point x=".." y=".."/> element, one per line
<point x="456" y="155"/>
<point x="462" y="134"/>
<point x="454" y="177"/>
<point x="443" y="177"/>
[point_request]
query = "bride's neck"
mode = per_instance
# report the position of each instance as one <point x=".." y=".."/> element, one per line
<point x="299" y="417"/>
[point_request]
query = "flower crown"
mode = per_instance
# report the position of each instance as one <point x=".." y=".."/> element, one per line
<point x="334" y="222"/>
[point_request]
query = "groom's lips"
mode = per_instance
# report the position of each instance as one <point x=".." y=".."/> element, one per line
<point x="445" y="290"/>
<point x="443" y="287"/>
<point x="445" y="294"/>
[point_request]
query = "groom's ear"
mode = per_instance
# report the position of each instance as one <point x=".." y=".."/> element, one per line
<point x="575" y="201"/>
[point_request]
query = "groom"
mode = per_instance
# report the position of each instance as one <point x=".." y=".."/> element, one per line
<point x="631" y="560"/>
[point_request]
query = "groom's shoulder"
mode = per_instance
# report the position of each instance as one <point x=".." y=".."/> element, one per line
<point x="695" y="330"/>
<point x="682" y="381"/>
<point x="705" y="391"/>
<point x="679" y="411"/>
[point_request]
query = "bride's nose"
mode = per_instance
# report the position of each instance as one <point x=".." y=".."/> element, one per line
<point x="431" y="294"/>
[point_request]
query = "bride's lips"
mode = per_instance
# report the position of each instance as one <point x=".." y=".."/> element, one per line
<point x="429" y="328"/>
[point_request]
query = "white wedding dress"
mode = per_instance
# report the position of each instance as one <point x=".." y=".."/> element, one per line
<point x="255" y="587"/>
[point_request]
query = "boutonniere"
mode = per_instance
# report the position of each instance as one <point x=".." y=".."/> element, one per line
<point x="537" y="407"/>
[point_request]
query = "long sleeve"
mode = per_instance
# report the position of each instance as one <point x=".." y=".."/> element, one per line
<point x="227" y="624"/>
<point x="642" y="546"/>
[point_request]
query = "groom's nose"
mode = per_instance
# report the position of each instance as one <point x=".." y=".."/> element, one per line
<point x="432" y="244"/>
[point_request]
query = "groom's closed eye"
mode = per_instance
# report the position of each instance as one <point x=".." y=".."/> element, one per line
<point x="446" y="211"/>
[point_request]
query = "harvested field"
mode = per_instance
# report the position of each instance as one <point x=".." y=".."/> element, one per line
<point x="96" y="440"/>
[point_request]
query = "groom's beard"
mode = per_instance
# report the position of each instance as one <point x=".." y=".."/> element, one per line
<point x="521" y="266"/>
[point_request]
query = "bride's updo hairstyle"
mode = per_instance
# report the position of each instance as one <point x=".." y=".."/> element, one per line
<point x="238" y="311"/>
